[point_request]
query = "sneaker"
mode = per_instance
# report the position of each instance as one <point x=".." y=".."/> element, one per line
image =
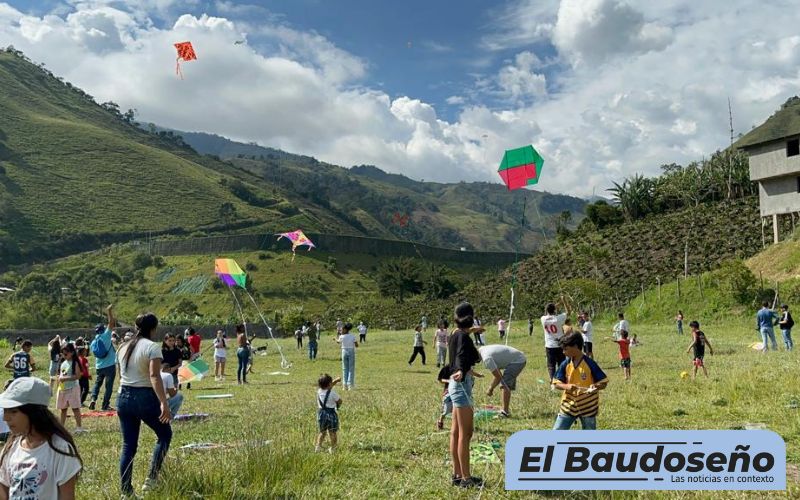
<point x="92" y="405"/>
<point x="440" y="424"/>
<point x="149" y="484"/>
<point x="504" y="414"/>
<point x="456" y="480"/>
<point x="473" y="482"/>
<point x="80" y="430"/>
<point x="108" y="408"/>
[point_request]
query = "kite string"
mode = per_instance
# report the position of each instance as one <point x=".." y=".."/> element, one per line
<point x="514" y="267"/>
<point x="284" y="361"/>
<point x="241" y="311"/>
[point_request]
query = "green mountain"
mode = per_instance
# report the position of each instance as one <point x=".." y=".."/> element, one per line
<point x="75" y="175"/>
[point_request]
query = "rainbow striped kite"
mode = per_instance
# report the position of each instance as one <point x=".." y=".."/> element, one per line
<point x="297" y="238"/>
<point x="230" y="272"/>
<point x="521" y="167"/>
<point x="190" y="372"/>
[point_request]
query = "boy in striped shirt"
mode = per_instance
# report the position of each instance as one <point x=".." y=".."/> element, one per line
<point x="581" y="379"/>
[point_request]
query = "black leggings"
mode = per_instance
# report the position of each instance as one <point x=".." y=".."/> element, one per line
<point x="300" y="343"/>
<point x="417" y="350"/>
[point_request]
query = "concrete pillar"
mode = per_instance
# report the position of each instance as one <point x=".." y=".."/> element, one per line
<point x="774" y="228"/>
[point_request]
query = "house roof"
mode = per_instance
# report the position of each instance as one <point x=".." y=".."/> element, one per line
<point x="783" y="123"/>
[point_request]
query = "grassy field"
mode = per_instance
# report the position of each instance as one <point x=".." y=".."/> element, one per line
<point x="389" y="446"/>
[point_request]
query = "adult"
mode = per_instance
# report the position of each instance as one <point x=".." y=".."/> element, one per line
<point x="621" y="326"/>
<point x="362" y="332"/>
<point x="505" y="363"/>
<point x="765" y="320"/>
<point x="104" y="366"/>
<point x="142" y="398"/>
<point x="349" y="344"/>
<point x="679" y="321"/>
<point x="463" y="356"/>
<point x="553" y="326"/>
<point x="242" y="355"/>
<point x="786" y="323"/>
<point x="501" y="327"/>
<point x="586" y="331"/>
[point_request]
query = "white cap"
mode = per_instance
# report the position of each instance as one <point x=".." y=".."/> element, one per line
<point x="26" y="391"/>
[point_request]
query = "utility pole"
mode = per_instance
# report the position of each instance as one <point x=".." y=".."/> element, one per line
<point x="730" y="151"/>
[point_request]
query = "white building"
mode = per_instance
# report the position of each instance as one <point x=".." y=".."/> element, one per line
<point x="774" y="151"/>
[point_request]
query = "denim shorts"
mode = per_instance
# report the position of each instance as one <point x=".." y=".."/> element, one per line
<point x="461" y="392"/>
<point x="54" y="368"/>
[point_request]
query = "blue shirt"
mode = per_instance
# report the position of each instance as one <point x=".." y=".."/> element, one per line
<point x="765" y="318"/>
<point x="111" y="357"/>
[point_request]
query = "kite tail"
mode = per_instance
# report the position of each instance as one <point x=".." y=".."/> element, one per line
<point x="178" y="68"/>
<point x="284" y="362"/>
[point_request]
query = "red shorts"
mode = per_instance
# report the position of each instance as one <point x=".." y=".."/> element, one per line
<point x="698" y="362"/>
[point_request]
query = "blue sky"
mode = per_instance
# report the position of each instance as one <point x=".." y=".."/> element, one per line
<point x="435" y="90"/>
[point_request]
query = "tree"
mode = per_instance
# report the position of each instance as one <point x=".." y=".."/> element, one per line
<point x="129" y="116"/>
<point x="399" y="277"/>
<point x="562" y="231"/>
<point x="634" y="196"/>
<point x="439" y="282"/>
<point x="111" y="107"/>
<point x="227" y="212"/>
<point x="602" y="215"/>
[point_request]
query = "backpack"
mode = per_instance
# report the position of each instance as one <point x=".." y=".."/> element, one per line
<point x="789" y="321"/>
<point x="99" y="349"/>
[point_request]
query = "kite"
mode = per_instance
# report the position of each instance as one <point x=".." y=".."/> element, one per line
<point x="238" y="42"/>
<point x="230" y="273"/>
<point x="185" y="53"/>
<point x="298" y="239"/>
<point x="190" y="372"/>
<point x="520" y="167"/>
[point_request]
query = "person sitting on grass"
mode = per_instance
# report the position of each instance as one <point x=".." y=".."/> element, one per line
<point x="21" y="362"/>
<point x="699" y="343"/>
<point x="40" y="460"/>
<point x="174" y="397"/>
<point x="580" y="378"/>
<point x="327" y="418"/>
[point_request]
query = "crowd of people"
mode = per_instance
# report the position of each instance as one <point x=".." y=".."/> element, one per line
<point x="150" y="389"/>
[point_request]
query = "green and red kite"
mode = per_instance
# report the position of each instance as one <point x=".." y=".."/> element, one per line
<point x="521" y="167"/>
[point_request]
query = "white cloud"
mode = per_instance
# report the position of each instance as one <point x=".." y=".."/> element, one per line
<point x="639" y="84"/>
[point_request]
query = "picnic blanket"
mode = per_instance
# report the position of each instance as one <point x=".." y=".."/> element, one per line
<point x="105" y="413"/>
<point x="214" y="396"/>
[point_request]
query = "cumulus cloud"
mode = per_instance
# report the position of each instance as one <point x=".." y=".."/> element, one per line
<point x="636" y="84"/>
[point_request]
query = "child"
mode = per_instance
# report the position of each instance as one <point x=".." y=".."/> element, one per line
<point x="442" y="337"/>
<point x="568" y="328"/>
<point x="174" y="398"/>
<point x="624" y="352"/>
<point x="327" y="418"/>
<point x="447" y="403"/>
<point x="54" y="349"/>
<point x="21" y="362"/>
<point x="699" y="343"/>
<point x="171" y="356"/>
<point x="362" y="332"/>
<point x="86" y="376"/>
<point x="220" y="353"/>
<point x="186" y="354"/>
<point x="69" y="392"/>
<point x="586" y="330"/>
<point x="41" y="459"/>
<point x="419" y="346"/>
<point x="580" y="378"/>
<point x="312" y="345"/>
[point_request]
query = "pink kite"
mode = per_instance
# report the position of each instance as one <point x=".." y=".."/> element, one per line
<point x="297" y="238"/>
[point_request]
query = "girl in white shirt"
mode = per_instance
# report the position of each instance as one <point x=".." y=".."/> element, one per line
<point x="220" y="355"/>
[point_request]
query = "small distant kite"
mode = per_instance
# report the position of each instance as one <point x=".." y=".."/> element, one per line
<point x="230" y="273"/>
<point x="400" y="219"/>
<point x="238" y="42"/>
<point x="520" y="167"/>
<point x="297" y="238"/>
<point x="185" y="53"/>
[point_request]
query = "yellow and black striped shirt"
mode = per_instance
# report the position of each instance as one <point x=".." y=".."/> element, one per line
<point x="584" y="374"/>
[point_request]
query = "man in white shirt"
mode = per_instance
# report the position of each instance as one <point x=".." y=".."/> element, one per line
<point x="174" y="398"/>
<point x="622" y="325"/>
<point x="511" y="361"/>
<point x="553" y="326"/>
<point x="587" y="329"/>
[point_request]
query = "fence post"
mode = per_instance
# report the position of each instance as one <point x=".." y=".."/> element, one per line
<point x="678" y="289"/>
<point x="658" y="281"/>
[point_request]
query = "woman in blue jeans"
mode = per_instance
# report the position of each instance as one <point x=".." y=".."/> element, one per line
<point x="142" y="399"/>
<point x="242" y="355"/>
<point x="349" y="344"/>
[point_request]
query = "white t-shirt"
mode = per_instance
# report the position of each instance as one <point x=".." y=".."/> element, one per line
<point x="220" y="348"/>
<point x="418" y="341"/>
<point x="37" y="473"/>
<point x="348" y="341"/>
<point x="622" y="325"/>
<point x="441" y="338"/>
<point x="587" y="330"/>
<point x="498" y="357"/>
<point x="136" y="372"/>
<point x="501" y="325"/>
<point x="169" y="383"/>
<point x="332" y="399"/>
<point x="362" y="329"/>
<point x="553" y="327"/>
